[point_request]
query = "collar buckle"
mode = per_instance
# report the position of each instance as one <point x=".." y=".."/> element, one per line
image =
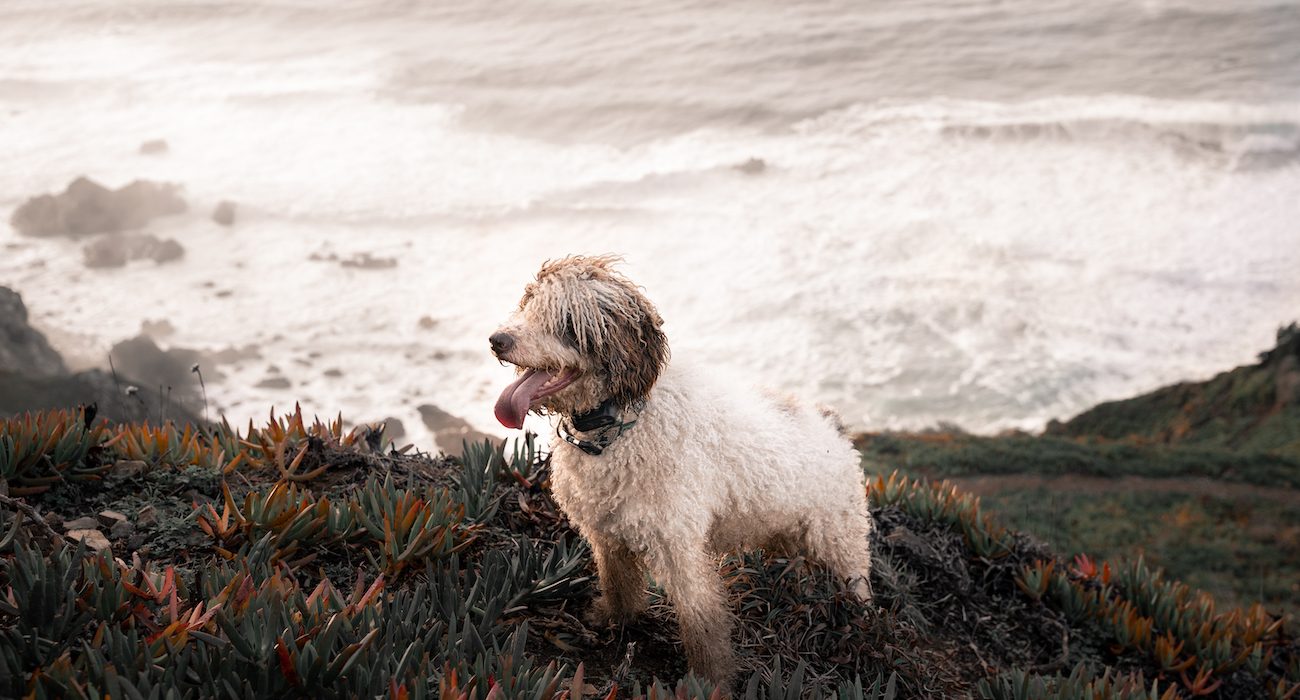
<point x="605" y="421"/>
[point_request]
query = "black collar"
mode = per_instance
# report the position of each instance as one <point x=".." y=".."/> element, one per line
<point x="606" y="423"/>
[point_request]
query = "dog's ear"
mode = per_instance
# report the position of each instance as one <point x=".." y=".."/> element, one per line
<point x="636" y="351"/>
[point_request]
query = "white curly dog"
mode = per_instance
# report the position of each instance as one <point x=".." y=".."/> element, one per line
<point x="663" y="467"/>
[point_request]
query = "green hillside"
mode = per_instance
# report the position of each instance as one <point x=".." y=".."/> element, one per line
<point x="1201" y="478"/>
<point x="298" y="560"/>
<point x="1255" y="408"/>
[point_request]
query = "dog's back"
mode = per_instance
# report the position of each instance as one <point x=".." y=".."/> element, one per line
<point x="713" y="460"/>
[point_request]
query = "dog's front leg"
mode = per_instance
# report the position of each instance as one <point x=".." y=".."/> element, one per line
<point x="690" y="578"/>
<point x="621" y="576"/>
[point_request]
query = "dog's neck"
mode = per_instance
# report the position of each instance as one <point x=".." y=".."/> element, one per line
<point x="595" y="430"/>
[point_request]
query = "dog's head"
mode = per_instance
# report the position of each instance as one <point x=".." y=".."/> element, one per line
<point x="583" y="334"/>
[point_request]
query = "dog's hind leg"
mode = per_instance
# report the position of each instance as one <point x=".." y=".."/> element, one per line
<point x="843" y="544"/>
<point x="690" y="578"/>
<point x="622" y="583"/>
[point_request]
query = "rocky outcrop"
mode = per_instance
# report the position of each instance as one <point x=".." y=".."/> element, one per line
<point x="394" y="429"/>
<point x="116" y="399"/>
<point x="34" y="377"/>
<point x="160" y="328"/>
<point x="450" y="431"/>
<point x="23" y="349"/>
<point x="118" y="249"/>
<point x="140" y="357"/>
<point x="87" y="207"/>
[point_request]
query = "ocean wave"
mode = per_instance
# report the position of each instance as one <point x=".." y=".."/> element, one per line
<point x="1244" y="137"/>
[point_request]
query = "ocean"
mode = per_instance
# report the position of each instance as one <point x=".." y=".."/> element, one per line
<point x="982" y="213"/>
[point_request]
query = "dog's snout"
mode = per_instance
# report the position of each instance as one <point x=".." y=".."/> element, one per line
<point x="501" y="342"/>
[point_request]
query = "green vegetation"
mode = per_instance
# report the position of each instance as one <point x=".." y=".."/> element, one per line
<point x="1252" y="409"/>
<point x="959" y="454"/>
<point x="1202" y="480"/>
<point x="1239" y="549"/>
<point x="301" y="560"/>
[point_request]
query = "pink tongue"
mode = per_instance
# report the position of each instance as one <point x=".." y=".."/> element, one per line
<point x="516" y="399"/>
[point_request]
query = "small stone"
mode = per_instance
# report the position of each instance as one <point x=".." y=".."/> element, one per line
<point x="129" y="468"/>
<point x="94" y="539"/>
<point x="121" y="530"/>
<point x="334" y="372"/>
<point x="86" y="523"/>
<point x="427" y="323"/>
<point x="111" y="517"/>
<point x="146" y="516"/>
<point x="224" y="214"/>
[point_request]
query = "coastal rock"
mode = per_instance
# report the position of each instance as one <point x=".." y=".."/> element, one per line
<point x="232" y="354"/>
<point x="21" y="392"/>
<point x="24" y="349"/>
<point x="33" y="377"/>
<point x="224" y="214"/>
<point x="274" y="383"/>
<point x="170" y="370"/>
<point x="157" y="329"/>
<point x="154" y="147"/>
<point x="450" y="431"/>
<point x="366" y="261"/>
<point x="117" y="250"/>
<point x="393" y="428"/>
<point x="87" y="207"/>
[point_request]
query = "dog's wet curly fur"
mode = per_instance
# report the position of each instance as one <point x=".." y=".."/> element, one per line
<point x="707" y="468"/>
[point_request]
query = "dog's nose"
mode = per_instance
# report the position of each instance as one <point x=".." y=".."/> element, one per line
<point x="501" y="343"/>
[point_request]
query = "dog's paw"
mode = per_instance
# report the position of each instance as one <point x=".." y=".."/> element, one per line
<point x="862" y="589"/>
<point x="602" y="614"/>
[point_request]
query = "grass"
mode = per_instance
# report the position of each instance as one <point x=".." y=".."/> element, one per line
<point x="1192" y="447"/>
<point x="1238" y="542"/>
<point x="942" y="455"/>
<point x="1239" y="550"/>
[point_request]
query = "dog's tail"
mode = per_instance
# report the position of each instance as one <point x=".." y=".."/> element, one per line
<point x="833" y="417"/>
